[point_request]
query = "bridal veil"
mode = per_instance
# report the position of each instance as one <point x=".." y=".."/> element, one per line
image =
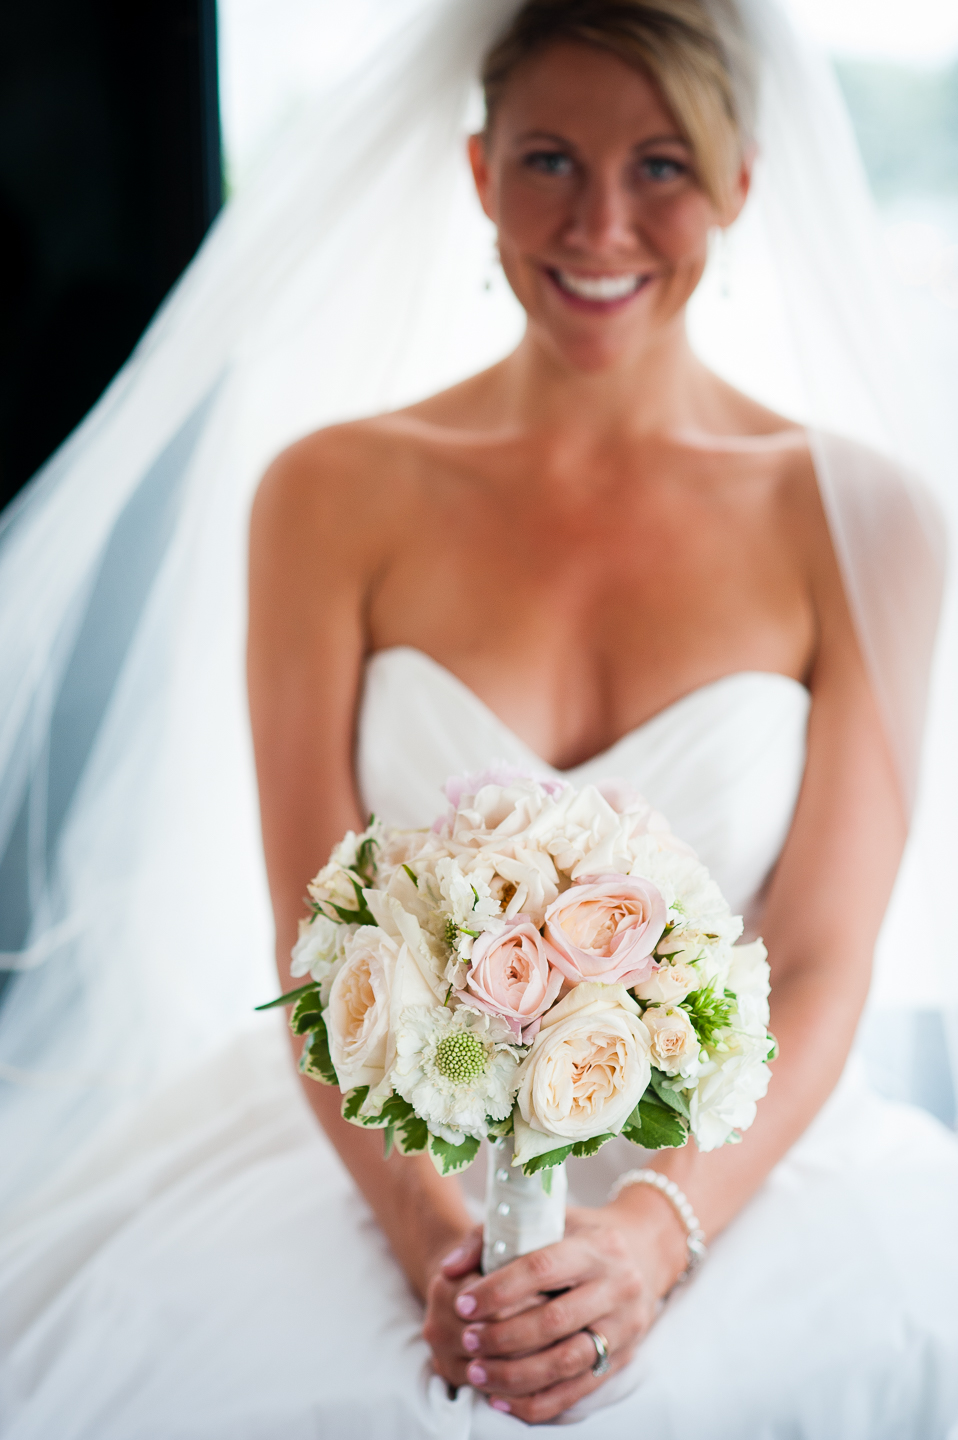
<point x="354" y="274"/>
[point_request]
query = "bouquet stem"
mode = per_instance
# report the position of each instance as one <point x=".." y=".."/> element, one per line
<point x="520" y="1215"/>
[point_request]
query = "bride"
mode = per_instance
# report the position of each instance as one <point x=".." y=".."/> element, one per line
<point x="594" y="558"/>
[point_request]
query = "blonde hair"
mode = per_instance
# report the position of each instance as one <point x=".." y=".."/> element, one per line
<point x="696" y="54"/>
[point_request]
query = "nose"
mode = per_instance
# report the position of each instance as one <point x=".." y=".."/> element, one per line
<point x="601" y="223"/>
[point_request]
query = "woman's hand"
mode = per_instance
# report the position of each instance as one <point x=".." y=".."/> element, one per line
<point x="512" y="1337"/>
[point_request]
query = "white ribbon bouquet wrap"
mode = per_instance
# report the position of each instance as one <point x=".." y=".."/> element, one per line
<point x="546" y="968"/>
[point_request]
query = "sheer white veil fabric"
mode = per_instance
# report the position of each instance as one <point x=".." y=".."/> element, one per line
<point x="350" y="276"/>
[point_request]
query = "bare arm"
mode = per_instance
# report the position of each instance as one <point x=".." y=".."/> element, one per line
<point x="311" y="559"/>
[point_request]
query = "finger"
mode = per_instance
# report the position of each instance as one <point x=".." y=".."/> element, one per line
<point x="553" y="1268"/>
<point x="465" y="1257"/>
<point x="532" y="1373"/>
<point x="548" y="1404"/>
<point x="536" y="1329"/>
<point x="443" y="1329"/>
<point x="528" y="1374"/>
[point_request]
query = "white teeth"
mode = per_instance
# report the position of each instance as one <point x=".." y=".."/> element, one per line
<point x="598" y="287"/>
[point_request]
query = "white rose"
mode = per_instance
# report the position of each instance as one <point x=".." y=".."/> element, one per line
<point x="320" y="950"/>
<point x="377" y="979"/>
<point x="675" y="1045"/>
<point x="522" y="880"/>
<point x="403" y="926"/>
<point x="591" y="836"/>
<point x="522" y="811"/>
<point x="586" y="1072"/>
<point x="724" y="1099"/>
<point x="748" y="979"/>
<point x="669" y="984"/>
<point x="404" y="847"/>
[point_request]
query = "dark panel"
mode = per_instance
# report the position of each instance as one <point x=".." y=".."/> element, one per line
<point x="109" y="178"/>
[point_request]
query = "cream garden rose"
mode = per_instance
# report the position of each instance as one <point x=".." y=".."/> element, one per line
<point x="587" y="1070"/>
<point x="674" y="1044"/>
<point x="668" y="983"/>
<point x="378" y="976"/>
<point x="605" y="928"/>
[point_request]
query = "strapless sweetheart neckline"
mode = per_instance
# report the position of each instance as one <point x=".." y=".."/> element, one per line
<point x="602" y="757"/>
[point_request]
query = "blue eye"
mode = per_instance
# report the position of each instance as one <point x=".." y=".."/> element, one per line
<point x="548" y="162"/>
<point x="658" y="167"/>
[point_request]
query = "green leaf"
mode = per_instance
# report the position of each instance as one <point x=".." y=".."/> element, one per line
<point x="449" y="1159"/>
<point x="674" y="1099"/>
<point x="365" y="866"/>
<point x="362" y="916"/>
<point x="315" y="1060"/>
<point x="307" y="1012"/>
<point x="547" y="1180"/>
<point x="551" y="1158"/>
<point x="412" y="875"/>
<point x="548" y="1160"/>
<point x="351" y="1103"/>
<point x="395" y="1111"/>
<point x="289" y="997"/>
<point x="773" y="1046"/>
<point x="496" y="1129"/>
<point x="412" y="1136"/>
<point x="655" y="1127"/>
<point x="589" y="1147"/>
<point x="387" y="1142"/>
<point x="361" y="906"/>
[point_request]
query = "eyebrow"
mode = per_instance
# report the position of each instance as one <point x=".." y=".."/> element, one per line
<point x="668" y="139"/>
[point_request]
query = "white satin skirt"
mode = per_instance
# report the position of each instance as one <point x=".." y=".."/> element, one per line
<point x="211" y="1273"/>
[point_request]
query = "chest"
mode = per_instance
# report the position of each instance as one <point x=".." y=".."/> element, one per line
<point x="636" y="559"/>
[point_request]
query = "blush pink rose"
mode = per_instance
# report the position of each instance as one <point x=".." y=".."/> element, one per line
<point x="511" y="975"/>
<point x="605" y="929"/>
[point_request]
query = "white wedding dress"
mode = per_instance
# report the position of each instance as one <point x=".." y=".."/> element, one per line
<point x="210" y="1272"/>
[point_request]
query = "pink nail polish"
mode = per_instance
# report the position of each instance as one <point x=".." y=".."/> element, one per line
<point x="502" y="1405"/>
<point x="465" y="1304"/>
<point x="471" y="1341"/>
<point x="475" y="1374"/>
<point x="454" y="1256"/>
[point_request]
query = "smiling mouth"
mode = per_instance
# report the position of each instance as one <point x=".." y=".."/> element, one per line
<point x="598" y="289"/>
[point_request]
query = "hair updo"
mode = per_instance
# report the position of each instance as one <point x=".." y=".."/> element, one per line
<point x="696" y="53"/>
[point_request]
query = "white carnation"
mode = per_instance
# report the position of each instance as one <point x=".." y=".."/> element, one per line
<point x="456" y="1068"/>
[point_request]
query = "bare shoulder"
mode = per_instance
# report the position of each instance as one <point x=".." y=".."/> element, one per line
<point x="353" y="477"/>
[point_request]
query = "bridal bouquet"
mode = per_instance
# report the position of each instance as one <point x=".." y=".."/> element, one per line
<point x="546" y="963"/>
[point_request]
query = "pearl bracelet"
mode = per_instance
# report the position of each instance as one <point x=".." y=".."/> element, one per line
<point x="695" y="1235"/>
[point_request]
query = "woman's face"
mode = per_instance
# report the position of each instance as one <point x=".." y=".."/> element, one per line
<point x="603" y="224"/>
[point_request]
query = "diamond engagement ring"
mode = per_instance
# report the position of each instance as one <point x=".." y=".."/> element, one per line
<point x="601" y="1350"/>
